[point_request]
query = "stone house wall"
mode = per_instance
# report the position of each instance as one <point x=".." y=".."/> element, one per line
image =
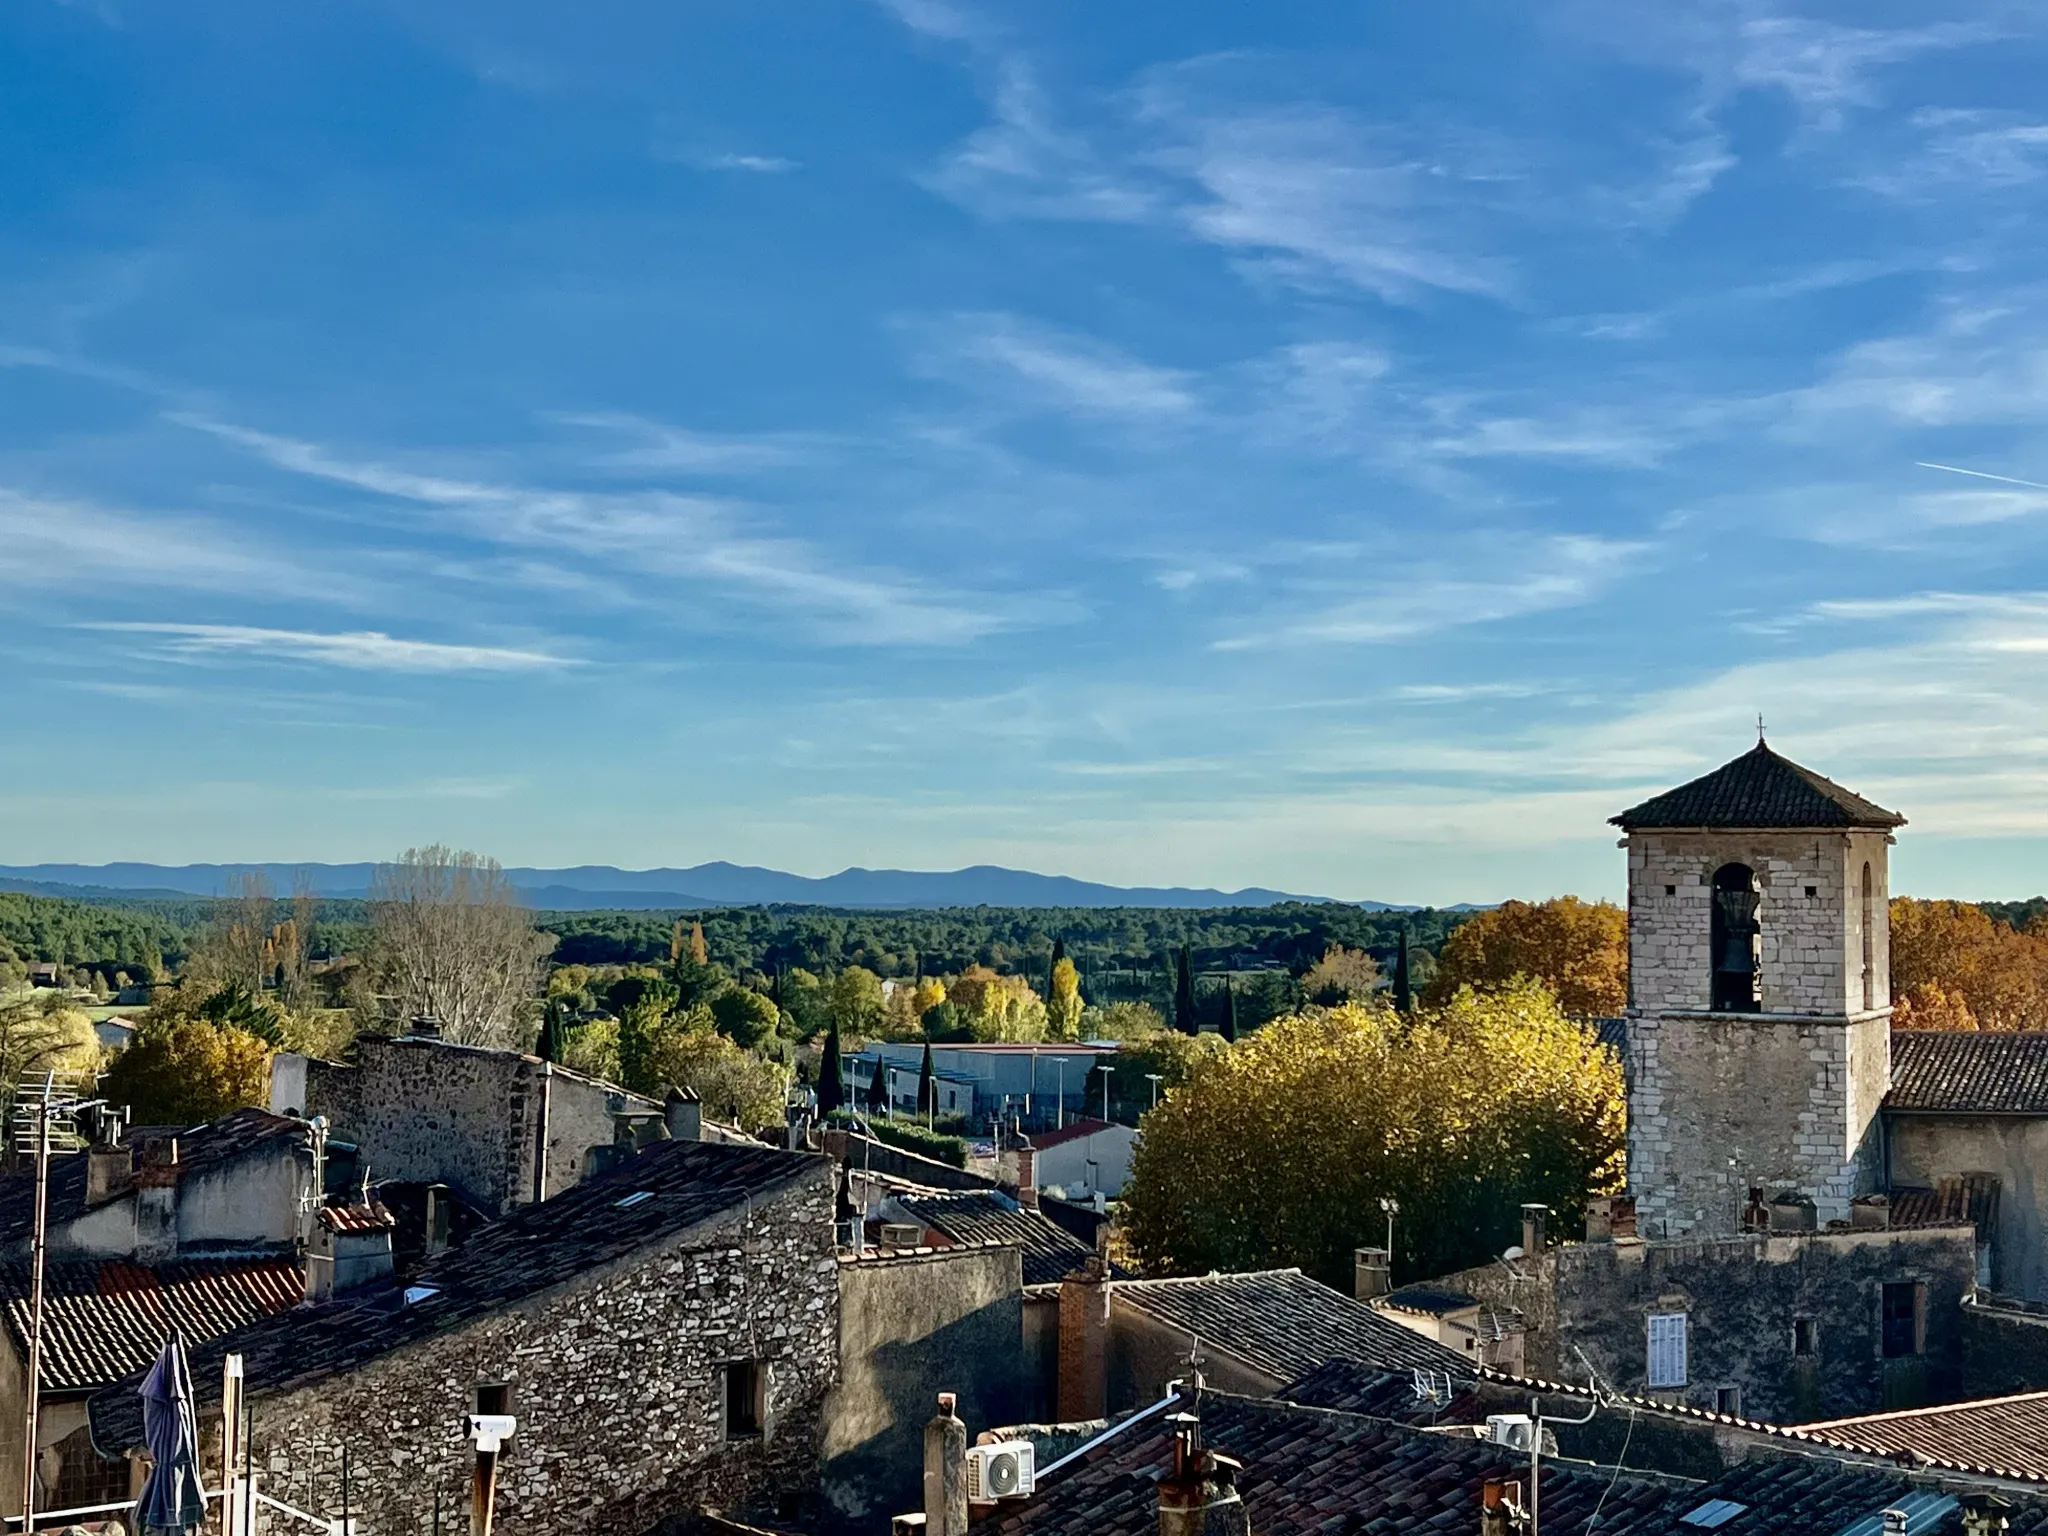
<point x="1787" y="1097"/>
<point x="2005" y="1348"/>
<point x="1742" y="1297"/>
<point x="910" y="1327"/>
<point x="616" y="1381"/>
<point x="435" y="1112"/>
<point x="1922" y="1150"/>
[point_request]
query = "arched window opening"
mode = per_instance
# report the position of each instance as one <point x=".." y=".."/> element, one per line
<point x="1736" y="941"/>
<point x="1869" y="940"/>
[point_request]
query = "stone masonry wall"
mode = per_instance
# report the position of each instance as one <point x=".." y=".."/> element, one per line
<point x="432" y="1111"/>
<point x="616" y="1384"/>
<point x="1785" y="1098"/>
<point x="1742" y="1297"/>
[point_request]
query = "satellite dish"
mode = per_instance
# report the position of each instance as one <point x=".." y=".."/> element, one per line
<point x="1512" y="1254"/>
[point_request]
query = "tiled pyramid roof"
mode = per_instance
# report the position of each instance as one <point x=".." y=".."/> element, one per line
<point x="1758" y="789"/>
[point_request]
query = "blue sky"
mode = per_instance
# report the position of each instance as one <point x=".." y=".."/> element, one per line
<point x="1352" y="449"/>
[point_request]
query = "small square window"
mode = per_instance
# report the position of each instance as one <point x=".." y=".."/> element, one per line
<point x="1813" y="890"/>
<point x="1670" y="890"/>
<point x="1728" y="1400"/>
<point x="1805" y="1337"/>
<point x="744" y="1402"/>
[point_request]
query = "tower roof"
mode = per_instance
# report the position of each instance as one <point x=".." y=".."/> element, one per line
<point x="1758" y="789"/>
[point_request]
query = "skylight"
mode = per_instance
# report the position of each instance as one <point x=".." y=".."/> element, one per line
<point x="415" y="1294"/>
<point x="1712" y="1513"/>
<point x="634" y="1198"/>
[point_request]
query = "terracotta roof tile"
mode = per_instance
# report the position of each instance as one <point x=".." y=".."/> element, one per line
<point x="2002" y="1436"/>
<point x="969" y="1216"/>
<point x="1758" y="789"/>
<point x="1941" y="1071"/>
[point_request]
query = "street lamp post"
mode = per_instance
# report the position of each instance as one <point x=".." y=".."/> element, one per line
<point x="1060" y="1115"/>
<point x="1105" y="1071"/>
<point x="1154" y="1078"/>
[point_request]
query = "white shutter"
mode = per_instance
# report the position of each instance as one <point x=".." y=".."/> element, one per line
<point x="1667" y="1349"/>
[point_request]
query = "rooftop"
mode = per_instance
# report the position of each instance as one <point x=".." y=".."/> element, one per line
<point x="1282" y="1323"/>
<point x="1999" y="1436"/>
<point x="1758" y="789"/>
<point x="200" y="1147"/>
<point x="1050" y="1251"/>
<point x="1427" y="1300"/>
<point x="1073" y="1130"/>
<point x="532" y="1250"/>
<point x="1940" y="1071"/>
<point x="103" y="1320"/>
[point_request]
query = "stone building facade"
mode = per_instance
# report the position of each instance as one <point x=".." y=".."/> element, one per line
<point x="661" y="1354"/>
<point x="1760" y="995"/>
<point x="504" y="1128"/>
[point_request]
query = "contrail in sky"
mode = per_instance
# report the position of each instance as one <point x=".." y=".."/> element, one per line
<point x="1979" y="474"/>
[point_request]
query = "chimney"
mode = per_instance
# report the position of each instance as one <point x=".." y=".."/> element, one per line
<point x="1027" y="1178"/>
<point x="351" y="1249"/>
<point x="945" y="1472"/>
<point x="1198" y="1497"/>
<point x="440" y="1218"/>
<point x="424" y="1026"/>
<point x="1600" y="1219"/>
<point x="109" y="1166"/>
<point x="1084" y="1343"/>
<point x="1371" y="1274"/>
<point x="156" y="1201"/>
<point x="1621" y="1216"/>
<point x="684" y="1113"/>
<point x="1533" y="1218"/>
<point x="1984" y="1514"/>
<point x="1500" y="1509"/>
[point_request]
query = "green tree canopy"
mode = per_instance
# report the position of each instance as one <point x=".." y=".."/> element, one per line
<point x="1277" y="1151"/>
<point x="187" y="1071"/>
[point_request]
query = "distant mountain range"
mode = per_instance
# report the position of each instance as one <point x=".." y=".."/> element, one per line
<point x="590" y="887"/>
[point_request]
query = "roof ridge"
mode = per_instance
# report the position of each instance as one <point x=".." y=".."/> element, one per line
<point x="1929" y="1411"/>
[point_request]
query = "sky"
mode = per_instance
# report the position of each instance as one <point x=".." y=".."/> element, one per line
<point x="1351" y="449"/>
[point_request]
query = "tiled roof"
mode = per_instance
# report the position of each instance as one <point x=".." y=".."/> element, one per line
<point x="1073" y="1130"/>
<point x="1317" y="1472"/>
<point x="1353" y="1388"/>
<point x="531" y="1250"/>
<point x="1758" y="789"/>
<point x="969" y="1216"/>
<point x="1954" y="1202"/>
<point x="356" y="1218"/>
<point x="1428" y="1300"/>
<point x="199" y="1147"/>
<point x="103" y="1320"/>
<point x="1943" y="1071"/>
<point x="2001" y="1436"/>
<point x="1282" y="1323"/>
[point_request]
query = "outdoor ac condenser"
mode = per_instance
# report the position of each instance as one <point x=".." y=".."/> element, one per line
<point x="1004" y="1470"/>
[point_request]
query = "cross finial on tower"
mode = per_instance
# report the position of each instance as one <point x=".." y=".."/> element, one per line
<point x="1759" y="728"/>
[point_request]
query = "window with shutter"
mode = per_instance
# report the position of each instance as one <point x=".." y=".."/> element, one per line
<point x="1667" y="1349"/>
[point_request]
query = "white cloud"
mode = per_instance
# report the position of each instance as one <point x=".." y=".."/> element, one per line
<point x="1070" y="372"/>
<point x="1562" y="571"/>
<point x="365" y="650"/>
<point x="760" y="165"/>
<point x="661" y="533"/>
<point x="1963" y="150"/>
<point x="661" y="447"/>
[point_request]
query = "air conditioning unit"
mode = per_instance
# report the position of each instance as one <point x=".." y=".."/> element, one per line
<point x="1516" y="1431"/>
<point x="901" y="1234"/>
<point x="1004" y="1470"/>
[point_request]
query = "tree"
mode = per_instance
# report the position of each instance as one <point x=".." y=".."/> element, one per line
<point x="231" y="1005"/>
<point x="927" y="1085"/>
<point x="942" y="1021"/>
<point x="1121" y="1021"/>
<point x="699" y="955"/>
<point x="449" y="939"/>
<point x="877" y="1100"/>
<point x="744" y="1016"/>
<point x="737" y="1086"/>
<point x="831" y="1075"/>
<point x="45" y="1034"/>
<point x="593" y="1050"/>
<point x="188" y="1071"/>
<point x="1276" y="1151"/>
<point x="553" y="1044"/>
<point x="857" y="1002"/>
<point x="1578" y="949"/>
<point x="1229" y="1029"/>
<point x="1341" y="976"/>
<point x="1951" y="961"/>
<point x="1063" y="1001"/>
<point x="1166" y="1054"/>
<point x="1404" y="992"/>
<point x="232" y="946"/>
<point x="1185" y="1019"/>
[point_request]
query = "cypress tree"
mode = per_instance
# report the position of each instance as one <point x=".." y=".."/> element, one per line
<point x="1185" y="1019"/>
<point x="831" y="1075"/>
<point x="928" y="1086"/>
<point x="1404" y="998"/>
<point x="1059" y="953"/>
<point x="554" y="1032"/>
<point x="878" y="1086"/>
<point x="1229" y="1012"/>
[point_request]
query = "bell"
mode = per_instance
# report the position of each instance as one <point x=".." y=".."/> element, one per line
<point x="1737" y="957"/>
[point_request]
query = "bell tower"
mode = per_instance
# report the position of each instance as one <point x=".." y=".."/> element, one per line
<point x="1759" y="1020"/>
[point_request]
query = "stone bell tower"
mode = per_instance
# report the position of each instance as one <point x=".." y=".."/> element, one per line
<point x="1759" y="1021"/>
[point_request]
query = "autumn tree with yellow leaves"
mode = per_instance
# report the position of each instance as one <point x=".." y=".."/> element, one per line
<point x="1955" y="966"/>
<point x="1277" y="1151"/>
<point x="1578" y="949"/>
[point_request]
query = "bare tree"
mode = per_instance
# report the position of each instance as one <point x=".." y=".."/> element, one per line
<point x="238" y="935"/>
<point x="450" y="939"/>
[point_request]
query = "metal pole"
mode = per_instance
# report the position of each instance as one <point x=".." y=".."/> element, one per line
<point x="437" y="1509"/>
<point x="1535" y="1461"/>
<point x="483" y="1493"/>
<point x="35" y="1311"/>
<point x="1060" y="1122"/>
<point x="347" y="1525"/>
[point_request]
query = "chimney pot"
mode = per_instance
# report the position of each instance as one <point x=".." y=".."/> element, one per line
<point x="1500" y="1509"/>
<point x="1371" y="1274"/>
<point x="945" y="1472"/>
<point x="1198" y="1496"/>
<point x="684" y="1113"/>
<point x="1083" y="1379"/>
<point x="1534" y="1217"/>
<point x="424" y="1026"/>
<point x="1027" y="1177"/>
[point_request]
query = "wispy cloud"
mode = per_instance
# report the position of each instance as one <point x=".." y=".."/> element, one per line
<point x="658" y="447"/>
<point x="364" y="650"/>
<point x="760" y="165"/>
<point x="1066" y="371"/>
<point x="1554" y="572"/>
<point x="664" y="533"/>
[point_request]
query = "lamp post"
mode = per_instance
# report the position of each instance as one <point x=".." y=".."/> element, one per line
<point x="1392" y="1207"/>
<point x="1105" y="1071"/>
<point x="1060" y="1120"/>
<point x="1154" y="1078"/>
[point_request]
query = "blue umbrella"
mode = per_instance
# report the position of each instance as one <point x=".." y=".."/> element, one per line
<point x="173" y="1500"/>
